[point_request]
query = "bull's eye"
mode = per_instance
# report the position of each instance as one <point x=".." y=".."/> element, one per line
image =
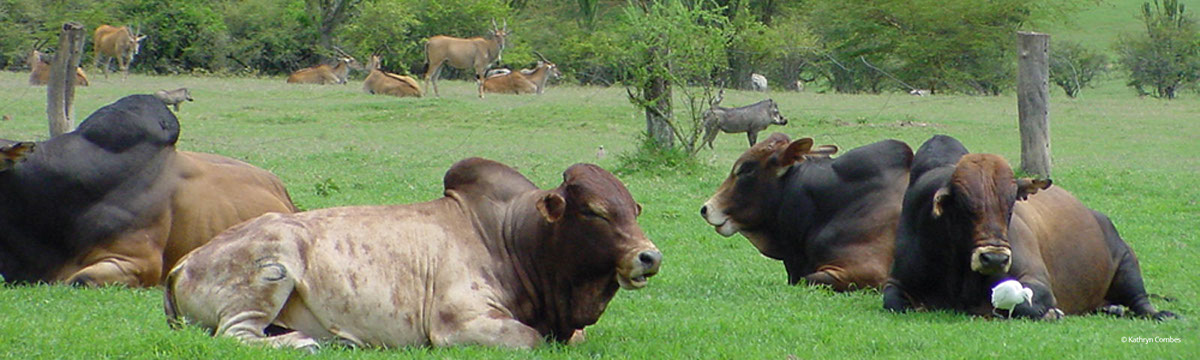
<point x="588" y="212"/>
<point x="747" y="168"/>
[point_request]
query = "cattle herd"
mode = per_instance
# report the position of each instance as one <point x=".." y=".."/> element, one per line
<point x="499" y="261"/>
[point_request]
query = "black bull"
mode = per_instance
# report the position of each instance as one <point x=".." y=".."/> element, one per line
<point x="968" y="224"/>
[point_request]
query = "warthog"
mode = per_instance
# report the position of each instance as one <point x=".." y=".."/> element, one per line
<point x="758" y="82"/>
<point x="749" y="119"/>
<point x="115" y="42"/>
<point x="386" y="83"/>
<point x="174" y="97"/>
<point x="39" y="65"/>
<point x="473" y="53"/>
<point x="324" y="74"/>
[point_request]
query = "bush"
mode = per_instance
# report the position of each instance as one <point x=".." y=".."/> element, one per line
<point x="1167" y="57"/>
<point x="1072" y="66"/>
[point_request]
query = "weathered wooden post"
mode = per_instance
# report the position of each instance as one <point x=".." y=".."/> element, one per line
<point x="1033" y="102"/>
<point x="60" y="92"/>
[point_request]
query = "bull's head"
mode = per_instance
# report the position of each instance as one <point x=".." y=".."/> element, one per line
<point x="980" y="196"/>
<point x="749" y="198"/>
<point x="595" y="221"/>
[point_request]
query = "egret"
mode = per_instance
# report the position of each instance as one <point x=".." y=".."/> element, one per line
<point x="1008" y="294"/>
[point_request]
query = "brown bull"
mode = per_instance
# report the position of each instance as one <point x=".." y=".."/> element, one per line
<point x="40" y="70"/>
<point x="473" y="53"/>
<point x="115" y="42"/>
<point x="386" y="83"/>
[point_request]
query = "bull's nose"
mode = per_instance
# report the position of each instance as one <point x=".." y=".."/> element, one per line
<point x="994" y="258"/>
<point x="704" y="211"/>
<point x="650" y="258"/>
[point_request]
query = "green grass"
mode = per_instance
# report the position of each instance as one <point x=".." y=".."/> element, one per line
<point x="1133" y="158"/>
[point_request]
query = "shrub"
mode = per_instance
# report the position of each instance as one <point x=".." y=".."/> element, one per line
<point x="1167" y="57"/>
<point x="1072" y="66"/>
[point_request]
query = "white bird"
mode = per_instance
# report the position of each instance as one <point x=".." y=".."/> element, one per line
<point x="1008" y="294"/>
<point x="600" y="153"/>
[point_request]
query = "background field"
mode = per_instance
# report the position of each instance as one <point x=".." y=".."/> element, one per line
<point x="1133" y="158"/>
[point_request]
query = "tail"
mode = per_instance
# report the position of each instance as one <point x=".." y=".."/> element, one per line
<point x="169" y="306"/>
<point x="425" y="67"/>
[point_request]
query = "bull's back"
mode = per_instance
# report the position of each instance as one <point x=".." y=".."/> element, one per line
<point x="1072" y="245"/>
<point x="215" y="193"/>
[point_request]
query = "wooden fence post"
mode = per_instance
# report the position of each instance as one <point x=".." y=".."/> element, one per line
<point x="1033" y="102"/>
<point x="60" y="91"/>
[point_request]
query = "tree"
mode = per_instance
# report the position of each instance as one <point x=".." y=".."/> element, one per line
<point x="670" y="47"/>
<point x="1072" y="66"/>
<point x="1165" y="58"/>
<point x="329" y="15"/>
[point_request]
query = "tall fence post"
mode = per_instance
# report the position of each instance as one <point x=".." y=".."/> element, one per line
<point x="60" y="91"/>
<point x="1033" y="102"/>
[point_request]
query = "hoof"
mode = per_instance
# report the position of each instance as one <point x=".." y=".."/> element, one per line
<point x="1053" y="314"/>
<point x="1165" y="315"/>
<point x="1114" y="310"/>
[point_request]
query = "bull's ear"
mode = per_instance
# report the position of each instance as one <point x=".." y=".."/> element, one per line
<point x="552" y="206"/>
<point x="1029" y="186"/>
<point x="824" y="150"/>
<point x="638" y="211"/>
<point x="794" y="153"/>
<point x="939" y="197"/>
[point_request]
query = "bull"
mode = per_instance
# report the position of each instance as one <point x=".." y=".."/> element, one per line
<point x="473" y="53"/>
<point x="749" y="119"/>
<point x="115" y="42"/>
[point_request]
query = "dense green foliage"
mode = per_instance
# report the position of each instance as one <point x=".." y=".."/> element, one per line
<point x="1072" y="66"/>
<point x="715" y="298"/>
<point x="1166" y="58"/>
<point x="849" y="46"/>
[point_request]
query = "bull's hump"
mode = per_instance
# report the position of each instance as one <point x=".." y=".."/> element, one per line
<point x="131" y="121"/>
<point x="486" y="177"/>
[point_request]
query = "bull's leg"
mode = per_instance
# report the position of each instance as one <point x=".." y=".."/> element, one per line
<point x="249" y="305"/>
<point x="488" y="331"/>
<point x="842" y="279"/>
<point x="895" y="299"/>
<point x="133" y="259"/>
<point x="119" y="270"/>
<point x="1044" y="305"/>
<point x="1128" y="289"/>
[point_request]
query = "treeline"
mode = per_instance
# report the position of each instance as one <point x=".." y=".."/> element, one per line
<point x="850" y="46"/>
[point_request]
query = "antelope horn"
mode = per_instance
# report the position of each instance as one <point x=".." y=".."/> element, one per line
<point x="494" y="27"/>
<point x="541" y="56"/>
<point x="343" y="53"/>
<point x="505" y="25"/>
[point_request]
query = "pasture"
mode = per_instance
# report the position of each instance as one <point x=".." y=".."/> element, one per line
<point x="1132" y="158"/>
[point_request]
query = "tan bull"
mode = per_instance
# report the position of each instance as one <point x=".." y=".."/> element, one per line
<point x="473" y="53"/>
<point x="382" y="82"/>
<point x="115" y="42"/>
<point x="40" y="70"/>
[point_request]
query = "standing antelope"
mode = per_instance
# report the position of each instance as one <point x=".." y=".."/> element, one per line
<point x="40" y="70"/>
<point x="477" y="53"/>
<point x="115" y="42"/>
<point x="386" y="83"/>
<point x="526" y="81"/>
<point x="325" y="74"/>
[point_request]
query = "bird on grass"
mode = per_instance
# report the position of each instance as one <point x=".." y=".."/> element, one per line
<point x="600" y="153"/>
<point x="1008" y="294"/>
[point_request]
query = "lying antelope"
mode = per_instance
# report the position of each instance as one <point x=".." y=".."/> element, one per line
<point x="324" y="74"/>
<point x="526" y="81"/>
<point x="115" y="42"/>
<point x="386" y="83"/>
<point x="473" y="53"/>
<point x="40" y="74"/>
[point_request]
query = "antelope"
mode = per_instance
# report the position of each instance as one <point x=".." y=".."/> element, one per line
<point x="325" y="74"/>
<point x="382" y="82"/>
<point x="40" y="69"/>
<point x="477" y="53"/>
<point x="525" y="81"/>
<point x="115" y="42"/>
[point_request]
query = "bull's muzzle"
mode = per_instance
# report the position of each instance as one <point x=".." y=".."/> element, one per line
<point x="642" y="266"/>
<point x="991" y="260"/>
<point x="718" y="219"/>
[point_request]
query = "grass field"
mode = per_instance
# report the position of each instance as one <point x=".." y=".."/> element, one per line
<point x="1133" y="158"/>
